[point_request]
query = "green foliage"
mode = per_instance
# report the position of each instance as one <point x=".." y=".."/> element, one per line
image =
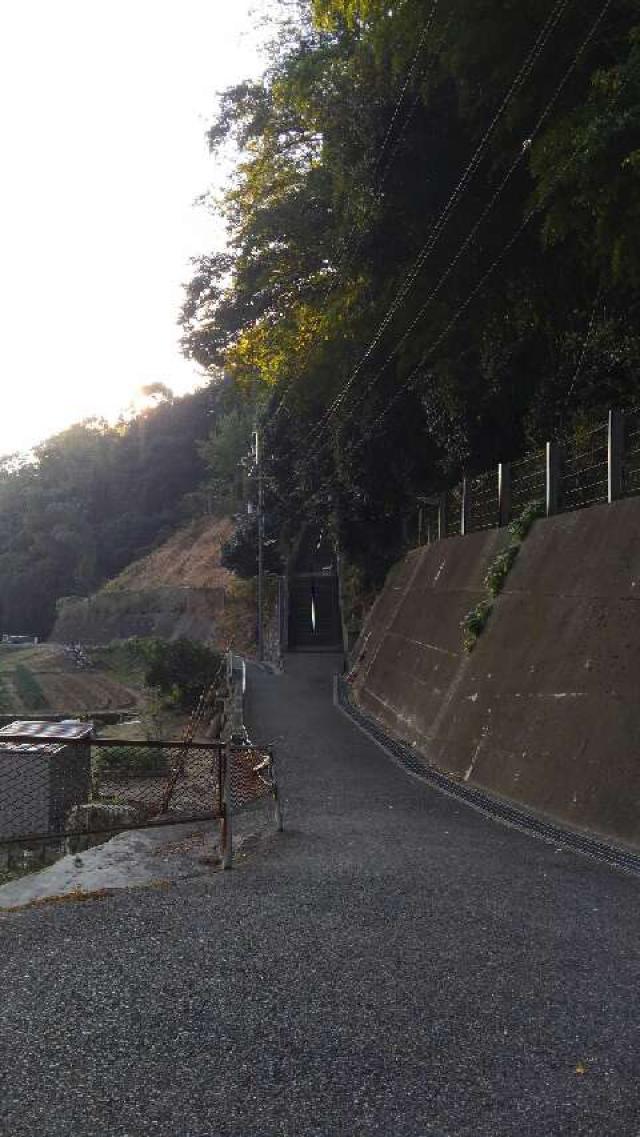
<point x="124" y="762"/>
<point x="499" y="569"/>
<point x="475" y="621"/>
<point x="5" y="700"/>
<point x="93" y="498"/>
<point x="474" y="624"/>
<point x="520" y="526"/>
<point x="28" y="689"/>
<point x="240" y="552"/>
<point x="181" y="669"/>
<point x="351" y="148"/>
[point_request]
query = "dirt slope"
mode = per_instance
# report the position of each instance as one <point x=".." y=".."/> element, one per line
<point x="189" y="559"/>
<point x="180" y="589"/>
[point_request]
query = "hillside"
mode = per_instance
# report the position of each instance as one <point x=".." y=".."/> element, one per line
<point x="180" y="589"/>
<point x="189" y="559"/>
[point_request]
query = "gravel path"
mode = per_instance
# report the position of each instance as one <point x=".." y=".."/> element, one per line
<point x="394" y="964"/>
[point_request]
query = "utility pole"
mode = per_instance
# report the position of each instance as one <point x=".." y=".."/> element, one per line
<point x="258" y="458"/>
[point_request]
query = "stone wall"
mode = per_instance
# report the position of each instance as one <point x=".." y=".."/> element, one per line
<point x="118" y="614"/>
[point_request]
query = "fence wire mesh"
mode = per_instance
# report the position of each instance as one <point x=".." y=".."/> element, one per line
<point x="584" y="472"/>
<point x="483" y="502"/>
<point x="528" y="480"/>
<point x="52" y="789"/>
<point x="631" y="465"/>
<point x="453" y="505"/>
<point x="250" y="774"/>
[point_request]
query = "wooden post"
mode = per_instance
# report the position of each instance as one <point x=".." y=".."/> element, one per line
<point x="553" y="477"/>
<point x="616" y="455"/>
<point x="442" y="517"/>
<point x="504" y="493"/>
<point x="464" y="509"/>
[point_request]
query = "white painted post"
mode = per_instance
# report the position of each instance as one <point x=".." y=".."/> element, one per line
<point x="615" y="455"/>
<point x="464" y="509"/>
<point x="553" y="478"/>
<point x="504" y="493"/>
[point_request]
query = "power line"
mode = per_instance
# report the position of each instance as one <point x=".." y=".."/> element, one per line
<point x="351" y="248"/>
<point x="409" y="382"/>
<point x="453" y="201"/>
<point x="488" y="208"/>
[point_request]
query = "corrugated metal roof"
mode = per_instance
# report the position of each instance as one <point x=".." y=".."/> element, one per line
<point x="72" y="728"/>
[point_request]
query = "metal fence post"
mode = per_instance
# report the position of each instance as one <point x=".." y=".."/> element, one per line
<point x="464" y="507"/>
<point x="615" y="455"/>
<point x="553" y="478"/>
<point x="226" y="835"/>
<point x="504" y="493"/>
<point x="277" y="808"/>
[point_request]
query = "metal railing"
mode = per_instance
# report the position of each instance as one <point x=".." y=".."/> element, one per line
<point x="61" y="794"/>
<point x="596" y="465"/>
<point x="528" y="480"/>
<point x="584" y="469"/>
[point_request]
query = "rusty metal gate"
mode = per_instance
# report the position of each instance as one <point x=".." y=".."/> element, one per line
<point x="56" y="791"/>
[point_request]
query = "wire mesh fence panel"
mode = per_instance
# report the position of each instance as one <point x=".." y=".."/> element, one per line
<point x="631" y="463"/>
<point x="528" y="481"/>
<point x="167" y="781"/>
<point x="584" y="469"/>
<point x="51" y="789"/>
<point x="482" y="509"/>
<point x="453" y="507"/>
<point x="250" y="774"/>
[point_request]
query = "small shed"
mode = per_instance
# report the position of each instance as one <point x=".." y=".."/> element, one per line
<point x="45" y="769"/>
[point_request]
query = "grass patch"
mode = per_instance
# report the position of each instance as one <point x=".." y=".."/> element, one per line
<point x="125" y="659"/>
<point x="6" y="706"/>
<point x="28" y="689"/>
<point x="130" y="762"/>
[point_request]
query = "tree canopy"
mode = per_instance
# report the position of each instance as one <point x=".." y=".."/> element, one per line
<point x="434" y="244"/>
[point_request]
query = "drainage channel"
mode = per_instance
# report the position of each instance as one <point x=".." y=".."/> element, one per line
<point x="500" y="810"/>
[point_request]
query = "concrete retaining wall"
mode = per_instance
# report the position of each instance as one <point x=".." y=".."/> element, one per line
<point x="546" y="710"/>
<point x="118" y="614"/>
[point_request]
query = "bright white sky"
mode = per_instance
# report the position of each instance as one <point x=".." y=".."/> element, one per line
<point x="103" y="109"/>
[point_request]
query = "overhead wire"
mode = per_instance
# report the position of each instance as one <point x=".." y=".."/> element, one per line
<point x="519" y="158"/>
<point x="409" y="382"/>
<point x="413" y="375"/>
<point x="352" y="247"/>
<point x="456" y="196"/>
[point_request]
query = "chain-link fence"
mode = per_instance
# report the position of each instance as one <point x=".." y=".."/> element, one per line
<point x="62" y="794"/>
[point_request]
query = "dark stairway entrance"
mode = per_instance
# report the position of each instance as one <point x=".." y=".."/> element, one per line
<point x="314" y="612"/>
<point x="314" y="598"/>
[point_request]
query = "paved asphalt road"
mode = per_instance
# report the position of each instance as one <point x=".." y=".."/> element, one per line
<point x="394" y="964"/>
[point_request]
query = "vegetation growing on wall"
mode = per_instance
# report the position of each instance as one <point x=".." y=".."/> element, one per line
<point x="477" y="618"/>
